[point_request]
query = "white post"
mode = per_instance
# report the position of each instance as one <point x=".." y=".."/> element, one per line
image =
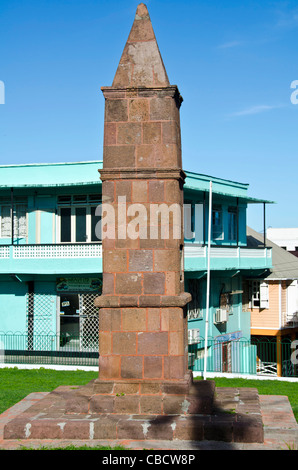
<point x="208" y="280"/>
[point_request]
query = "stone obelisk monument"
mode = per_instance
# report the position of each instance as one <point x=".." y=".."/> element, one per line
<point x="143" y="325"/>
<point x="144" y="389"/>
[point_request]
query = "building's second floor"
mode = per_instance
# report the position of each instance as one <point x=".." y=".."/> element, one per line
<point x="49" y="219"/>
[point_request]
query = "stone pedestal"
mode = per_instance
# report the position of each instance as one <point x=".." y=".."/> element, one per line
<point x="204" y="414"/>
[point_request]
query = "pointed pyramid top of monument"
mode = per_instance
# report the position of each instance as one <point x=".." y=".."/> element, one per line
<point x="141" y="64"/>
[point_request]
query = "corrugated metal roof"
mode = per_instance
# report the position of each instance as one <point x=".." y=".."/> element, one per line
<point x="285" y="265"/>
<point x="38" y="175"/>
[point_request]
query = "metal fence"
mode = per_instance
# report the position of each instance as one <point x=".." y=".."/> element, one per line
<point x="257" y="356"/>
<point x="53" y="349"/>
<point x="263" y="356"/>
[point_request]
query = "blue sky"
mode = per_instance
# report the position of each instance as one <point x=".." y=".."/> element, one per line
<point x="233" y="61"/>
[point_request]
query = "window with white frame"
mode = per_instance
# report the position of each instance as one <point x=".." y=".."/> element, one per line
<point x="77" y="218"/>
<point x="19" y="220"/>
<point x="258" y="294"/>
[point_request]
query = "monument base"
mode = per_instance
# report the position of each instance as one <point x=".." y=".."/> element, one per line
<point x="81" y="413"/>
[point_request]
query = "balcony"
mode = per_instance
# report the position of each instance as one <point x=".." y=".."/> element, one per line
<point x="289" y="320"/>
<point x="77" y="258"/>
<point x="65" y="258"/>
<point x="222" y="258"/>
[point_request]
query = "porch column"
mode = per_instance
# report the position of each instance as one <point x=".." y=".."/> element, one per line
<point x="279" y="354"/>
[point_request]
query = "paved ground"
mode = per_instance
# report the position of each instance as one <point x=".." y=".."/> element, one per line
<point x="281" y="431"/>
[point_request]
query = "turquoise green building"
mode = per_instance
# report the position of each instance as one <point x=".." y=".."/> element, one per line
<point x="51" y="261"/>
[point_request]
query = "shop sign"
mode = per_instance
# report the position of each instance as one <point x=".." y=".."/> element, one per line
<point x="79" y="284"/>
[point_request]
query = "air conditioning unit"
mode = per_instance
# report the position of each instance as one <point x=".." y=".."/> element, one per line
<point x="221" y="315"/>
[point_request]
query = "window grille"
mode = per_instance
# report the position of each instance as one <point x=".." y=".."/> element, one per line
<point x="89" y="324"/>
<point x="40" y="321"/>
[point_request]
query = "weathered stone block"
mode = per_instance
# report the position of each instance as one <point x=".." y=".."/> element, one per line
<point x="153" y="319"/>
<point x="151" y="405"/>
<point x="145" y="156"/>
<point x="115" y="261"/>
<point x="130" y="429"/>
<point x="129" y="283"/>
<point x="154" y="283"/>
<point x="105" y="342"/>
<point x="110" y="133"/>
<point x="140" y="260"/>
<point x="127" y="388"/>
<point x="161" y="428"/>
<point x="123" y="188"/>
<point x="109" y="367"/>
<point x="116" y="110"/>
<point x="174" y="405"/>
<point x="131" y="367"/>
<point x="156" y="191"/>
<point x="153" y="343"/>
<point x="167" y="260"/>
<point x="127" y="404"/>
<point x="162" y="109"/>
<point x="153" y="367"/>
<point x="109" y="319"/>
<point x="101" y="404"/>
<point x="105" y="427"/>
<point x="174" y="367"/>
<point x="189" y="429"/>
<point x="248" y="430"/>
<point x="119" y="156"/>
<point x="176" y="343"/>
<point x="124" y="343"/>
<point x="139" y="110"/>
<point x="108" y="283"/>
<point x="133" y="319"/>
<point x="151" y="133"/>
<point x="139" y="191"/>
<point x="129" y="133"/>
<point x="218" y="431"/>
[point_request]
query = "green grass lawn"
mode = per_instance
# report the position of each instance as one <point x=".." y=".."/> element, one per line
<point x="15" y="384"/>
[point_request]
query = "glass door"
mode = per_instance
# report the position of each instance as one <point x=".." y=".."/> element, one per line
<point x="69" y="318"/>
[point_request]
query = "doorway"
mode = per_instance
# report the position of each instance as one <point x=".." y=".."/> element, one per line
<point x="226" y="357"/>
<point x="69" y="311"/>
<point x="78" y="322"/>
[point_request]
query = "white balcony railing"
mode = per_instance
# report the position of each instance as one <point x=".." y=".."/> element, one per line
<point x="226" y="252"/>
<point x="4" y="251"/>
<point x="57" y="251"/>
<point x="289" y="320"/>
<point x="90" y="250"/>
